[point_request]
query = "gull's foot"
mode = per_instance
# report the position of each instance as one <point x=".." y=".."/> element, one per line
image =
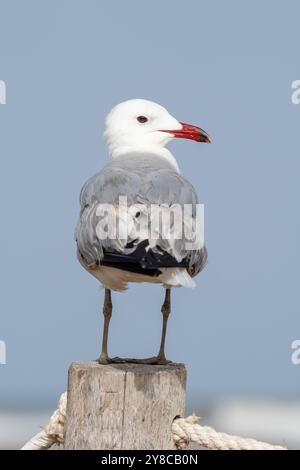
<point x="159" y="360"/>
<point x="103" y="359"/>
<point x="162" y="360"/>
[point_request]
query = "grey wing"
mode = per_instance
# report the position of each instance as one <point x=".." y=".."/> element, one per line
<point x="169" y="187"/>
<point x="110" y="183"/>
<point x="154" y="186"/>
<point x="103" y="188"/>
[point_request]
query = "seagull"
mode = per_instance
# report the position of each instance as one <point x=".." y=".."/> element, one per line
<point x="122" y="235"/>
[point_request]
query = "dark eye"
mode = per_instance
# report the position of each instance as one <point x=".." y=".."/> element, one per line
<point x="142" y="119"/>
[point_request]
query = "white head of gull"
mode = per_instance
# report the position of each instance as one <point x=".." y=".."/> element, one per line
<point x="145" y="126"/>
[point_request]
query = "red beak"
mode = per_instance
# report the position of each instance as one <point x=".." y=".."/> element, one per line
<point x="190" y="132"/>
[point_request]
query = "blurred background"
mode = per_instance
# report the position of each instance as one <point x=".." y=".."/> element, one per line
<point x="225" y="66"/>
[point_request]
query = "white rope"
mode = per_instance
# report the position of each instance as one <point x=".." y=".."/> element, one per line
<point x="53" y="432"/>
<point x="40" y="441"/>
<point x="184" y="431"/>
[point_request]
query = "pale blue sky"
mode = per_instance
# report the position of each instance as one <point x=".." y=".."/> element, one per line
<point x="225" y="66"/>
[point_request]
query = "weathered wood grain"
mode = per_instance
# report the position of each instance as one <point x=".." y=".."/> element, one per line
<point x="123" y="406"/>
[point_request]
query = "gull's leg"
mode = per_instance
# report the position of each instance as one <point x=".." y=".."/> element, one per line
<point x="107" y="311"/>
<point x="165" y="310"/>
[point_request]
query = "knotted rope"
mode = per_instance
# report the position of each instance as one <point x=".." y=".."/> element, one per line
<point x="53" y="432"/>
<point x="184" y="431"/>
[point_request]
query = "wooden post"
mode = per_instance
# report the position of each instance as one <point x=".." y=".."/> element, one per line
<point x="123" y="406"/>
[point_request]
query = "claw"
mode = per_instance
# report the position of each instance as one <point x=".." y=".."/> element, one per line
<point x="103" y="359"/>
